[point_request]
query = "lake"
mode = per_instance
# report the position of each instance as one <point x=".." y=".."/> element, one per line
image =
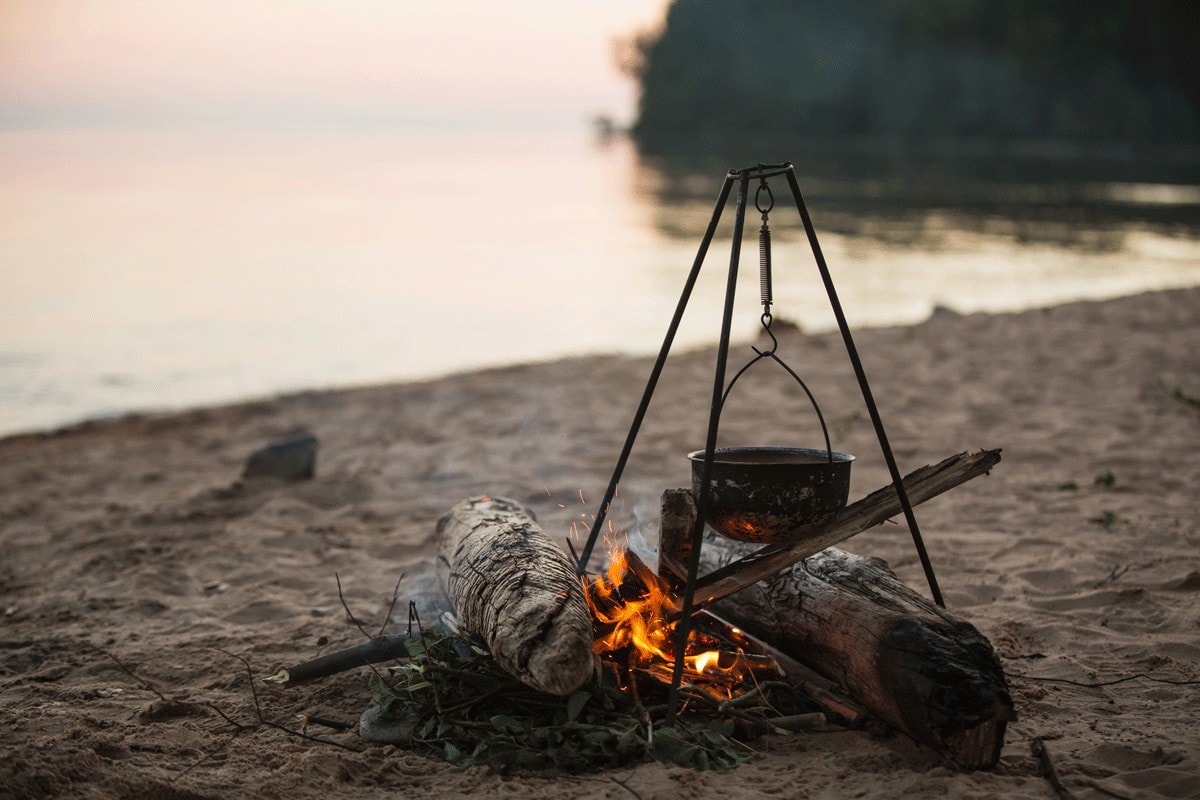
<point x="164" y="269"/>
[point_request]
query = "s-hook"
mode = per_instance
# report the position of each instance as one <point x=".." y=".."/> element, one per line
<point x="764" y="207"/>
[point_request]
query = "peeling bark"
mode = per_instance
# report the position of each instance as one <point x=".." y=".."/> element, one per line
<point x="516" y="589"/>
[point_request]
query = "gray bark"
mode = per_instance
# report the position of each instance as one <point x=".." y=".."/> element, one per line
<point x="515" y="588"/>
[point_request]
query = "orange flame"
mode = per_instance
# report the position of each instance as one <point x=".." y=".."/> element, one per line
<point x="638" y="622"/>
<point x="641" y="628"/>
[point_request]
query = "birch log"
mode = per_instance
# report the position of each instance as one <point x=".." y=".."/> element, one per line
<point x="515" y="588"/>
<point x="918" y="667"/>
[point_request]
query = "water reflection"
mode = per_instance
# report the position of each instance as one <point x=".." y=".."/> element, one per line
<point x="924" y="198"/>
<point x="168" y="269"/>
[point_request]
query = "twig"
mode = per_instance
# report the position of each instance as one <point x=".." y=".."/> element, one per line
<point x="350" y="614"/>
<point x="374" y="650"/>
<point x="571" y="547"/>
<point x="262" y="718"/>
<point x="624" y="786"/>
<point x="1113" y="574"/>
<point x="1098" y="684"/>
<point x="1104" y="790"/>
<point x="324" y="722"/>
<point x="237" y="726"/>
<point x="144" y="683"/>
<point x="391" y="606"/>
<point x="1038" y="747"/>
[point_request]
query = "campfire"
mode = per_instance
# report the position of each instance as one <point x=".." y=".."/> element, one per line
<point x="609" y="644"/>
<point x="547" y="669"/>
<point x="635" y="614"/>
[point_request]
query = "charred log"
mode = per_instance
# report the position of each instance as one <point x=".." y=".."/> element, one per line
<point x="917" y="667"/>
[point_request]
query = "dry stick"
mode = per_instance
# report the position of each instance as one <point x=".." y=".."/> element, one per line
<point x="324" y="722"/>
<point x="376" y="649"/>
<point x="262" y="718"/>
<point x="1047" y="768"/>
<point x="338" y="580"/>
<point x="145" y="683"/>
<point x="162" y="697"/>
<point x="874" y="509"/>
<point x="237" y="726"/>
<point x="816" y="687"/>
<point x="1099" y="684"/>
<point x="391" y="606"/>
<point x="380" y="648"/>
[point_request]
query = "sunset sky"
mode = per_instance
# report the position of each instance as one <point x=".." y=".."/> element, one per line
<point x="267" y="62"/>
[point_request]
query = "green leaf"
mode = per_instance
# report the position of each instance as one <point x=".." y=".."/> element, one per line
<point x="670" y="745"/>
<point x="507" y="724"/>
<point x="576" y="703"/>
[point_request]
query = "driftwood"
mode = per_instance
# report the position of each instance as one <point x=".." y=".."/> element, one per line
<point x="917" y="667"/>
<point x="516" y="589"/>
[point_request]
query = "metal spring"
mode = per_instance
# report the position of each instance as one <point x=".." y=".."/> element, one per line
<point x="764" y="266"/>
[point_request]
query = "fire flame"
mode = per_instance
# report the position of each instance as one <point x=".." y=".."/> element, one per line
<point x="634" y="611"/>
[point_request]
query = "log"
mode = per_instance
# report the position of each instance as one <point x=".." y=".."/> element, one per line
<point x="515" y="588"/>
<point x="874" y="509"/>
<point x="917" y="667"/>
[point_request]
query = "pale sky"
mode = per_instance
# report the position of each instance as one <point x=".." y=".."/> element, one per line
<point x="86" y="62"/>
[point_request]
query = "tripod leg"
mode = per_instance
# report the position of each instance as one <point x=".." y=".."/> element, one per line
<point x="868" y="398"/>
<point x="597" y="525"/>
<point x="684" y="626"/>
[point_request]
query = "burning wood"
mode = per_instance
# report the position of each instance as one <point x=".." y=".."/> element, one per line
<point x="516" y="590"/>
<point x="918" y="667"/>
<point x="635" y="613"/>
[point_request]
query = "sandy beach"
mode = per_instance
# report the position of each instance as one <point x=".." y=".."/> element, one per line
<point x="139" y="569"/>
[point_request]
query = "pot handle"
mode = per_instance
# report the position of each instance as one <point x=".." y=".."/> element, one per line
<point x="771" y="354"/>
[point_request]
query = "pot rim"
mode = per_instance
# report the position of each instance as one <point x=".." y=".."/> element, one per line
<point x="697" y="456"/>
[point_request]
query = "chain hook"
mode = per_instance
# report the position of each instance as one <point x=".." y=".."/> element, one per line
<point x="758" y="203"/>
<point x="766" y="320"/>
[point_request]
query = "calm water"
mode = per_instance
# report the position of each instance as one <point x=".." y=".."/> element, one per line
<point x="165" y="270"/>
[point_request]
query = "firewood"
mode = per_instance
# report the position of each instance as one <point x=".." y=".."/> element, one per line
<point x="874" y="509"/>
<point x="917" y="667"/>
<point x="517" y="590"/>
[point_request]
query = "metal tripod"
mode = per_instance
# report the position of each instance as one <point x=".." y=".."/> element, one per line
<point x="742" y="177"/>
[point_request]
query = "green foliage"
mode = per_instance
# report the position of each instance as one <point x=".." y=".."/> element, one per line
<point x="459" y="705"/>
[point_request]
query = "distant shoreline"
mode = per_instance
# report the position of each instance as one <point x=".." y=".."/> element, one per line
<point x="137" y="417"/>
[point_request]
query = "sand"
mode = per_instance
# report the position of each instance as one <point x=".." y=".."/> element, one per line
<point x="1079" y="557"/>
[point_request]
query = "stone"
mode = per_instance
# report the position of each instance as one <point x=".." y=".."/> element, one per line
<point x="290" y="459"/>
